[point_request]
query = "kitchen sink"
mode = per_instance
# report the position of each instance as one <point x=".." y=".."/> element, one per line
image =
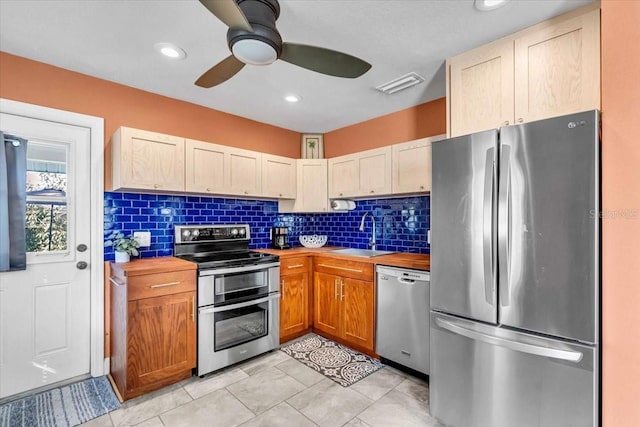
<point x="367" y="253"/>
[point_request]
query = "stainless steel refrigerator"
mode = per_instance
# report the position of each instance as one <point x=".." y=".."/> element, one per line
<point x="515" y="276"/>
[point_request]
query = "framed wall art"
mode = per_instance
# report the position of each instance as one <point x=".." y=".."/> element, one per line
<point x="312" y="146"/>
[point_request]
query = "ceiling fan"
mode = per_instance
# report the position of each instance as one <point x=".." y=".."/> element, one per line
<point x="253" y="39"/>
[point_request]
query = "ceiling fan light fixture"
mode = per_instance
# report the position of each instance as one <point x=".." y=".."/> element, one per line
<point x="170" y="50"/>
<point x="485" y="5"/>
<point x="254" y="52"/>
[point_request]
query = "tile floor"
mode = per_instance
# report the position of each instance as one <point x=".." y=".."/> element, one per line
<point x="276" y="390"/>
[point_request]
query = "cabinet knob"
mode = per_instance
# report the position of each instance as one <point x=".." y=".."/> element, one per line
<point x="246" y="192"/>
<point x="422" y="187"/>
<point x="280" y="194"/>
<point x="341" y="194"/>
<point x="520" y="120"/>
<point x="371" y="191"/>
<point x="156" y="186"/>
<point x="505" y="123"/>
<point x="208" y="190"/>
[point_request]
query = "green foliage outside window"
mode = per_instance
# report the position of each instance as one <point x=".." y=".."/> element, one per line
<point x="46" y="221"/>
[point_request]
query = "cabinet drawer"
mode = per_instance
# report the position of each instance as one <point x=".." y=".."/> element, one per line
<point x="154" y="285"/>
<point x="294" y="265"/>
<point x="344" y="268"/>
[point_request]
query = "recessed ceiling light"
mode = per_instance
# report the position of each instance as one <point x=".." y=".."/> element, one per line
<point x="489" y="4"/>
<point x="293" y="98"/>
<point x="170" y="50"/>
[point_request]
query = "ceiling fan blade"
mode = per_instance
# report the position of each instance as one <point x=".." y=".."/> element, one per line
<point x="228" y="12"/>
<point x="220" y="72"/>
<point x="323" y="60"/>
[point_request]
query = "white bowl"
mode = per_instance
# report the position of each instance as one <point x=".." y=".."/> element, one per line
<point x="313" y="241"/>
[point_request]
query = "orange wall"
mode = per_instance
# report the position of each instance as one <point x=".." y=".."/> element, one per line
<point x="416" y="122"/>
<point x="41" y="84"/>
<point x="621" y="208"/>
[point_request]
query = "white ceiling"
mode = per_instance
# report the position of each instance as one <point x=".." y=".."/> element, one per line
<point x="113" y="40"/>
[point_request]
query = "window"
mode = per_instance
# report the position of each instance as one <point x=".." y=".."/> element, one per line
<point x="47" y="225"/>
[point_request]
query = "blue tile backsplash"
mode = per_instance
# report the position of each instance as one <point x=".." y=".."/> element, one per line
<point x="401" y="222"/>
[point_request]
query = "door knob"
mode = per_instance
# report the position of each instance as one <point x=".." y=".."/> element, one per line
<point x="81" y="247"/>
<point x="81" y="265"/>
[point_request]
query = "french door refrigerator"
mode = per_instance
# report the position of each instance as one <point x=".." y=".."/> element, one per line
<point x="515" y="276"/>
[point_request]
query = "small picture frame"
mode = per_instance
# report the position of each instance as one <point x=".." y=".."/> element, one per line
<point x="312" y="146"/>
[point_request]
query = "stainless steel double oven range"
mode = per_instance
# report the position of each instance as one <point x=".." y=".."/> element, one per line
<point x="238" y="294"/>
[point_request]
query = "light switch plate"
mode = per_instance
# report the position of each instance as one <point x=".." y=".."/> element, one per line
<point x="143" y="238"/>
<point x="428" y="237"/>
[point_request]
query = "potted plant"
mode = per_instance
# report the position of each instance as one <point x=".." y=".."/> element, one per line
<point x="124" y="246"/>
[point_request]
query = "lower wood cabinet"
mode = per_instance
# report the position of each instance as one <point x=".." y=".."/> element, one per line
<point x="294" y="300"/>
<point x="153" y="324"/>
<point x="344" y="301"/>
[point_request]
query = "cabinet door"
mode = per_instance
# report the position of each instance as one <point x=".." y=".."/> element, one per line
<point x="311" y="188"/>
<point x="374" y="172"/>
<point x="204" y="167"/>
<point x="480" y="88"/>
<point x="358" y="311"/>
<point x="558" y="68"/>
<point x="147" y="160"/>
<point x="411" y="165"/>
<point x="278" y="176"/>
<point x="344" y="177"/>
<point x="294" y="308"/>
<point x="244" y="176"/>
<point x="327" y="303"/>
<point x="161" y="338"/>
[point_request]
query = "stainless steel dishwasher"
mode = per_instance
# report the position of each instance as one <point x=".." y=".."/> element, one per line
<point x="402" y="332"/>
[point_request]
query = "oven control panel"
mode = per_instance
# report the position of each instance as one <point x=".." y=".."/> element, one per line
<point x="211" y="233"/>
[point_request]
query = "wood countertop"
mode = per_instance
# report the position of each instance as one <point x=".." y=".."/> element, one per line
<point x="151" y="265"/>
<point x="398" y="259"/>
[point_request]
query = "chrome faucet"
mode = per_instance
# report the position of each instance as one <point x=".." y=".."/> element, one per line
<point x="372" y="241"/>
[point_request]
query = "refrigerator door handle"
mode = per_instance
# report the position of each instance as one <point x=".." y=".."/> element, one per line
<point x="568" y="355"/>
<point x="487" y="225"/>
<point x="504" y="214"/>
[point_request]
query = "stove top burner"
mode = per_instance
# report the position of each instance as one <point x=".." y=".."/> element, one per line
<point x="216" y="246"/>
<point x="228" y="258"/>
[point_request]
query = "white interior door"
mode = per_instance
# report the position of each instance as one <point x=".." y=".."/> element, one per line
<point x="45" y="323"/>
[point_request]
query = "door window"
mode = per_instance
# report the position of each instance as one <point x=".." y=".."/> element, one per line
<point x="47" y="229"/>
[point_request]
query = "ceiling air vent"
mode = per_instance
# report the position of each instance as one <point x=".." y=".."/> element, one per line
<point x="401" y="83"/>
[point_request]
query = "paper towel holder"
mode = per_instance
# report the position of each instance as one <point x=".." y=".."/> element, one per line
<point x="342" y="205"/>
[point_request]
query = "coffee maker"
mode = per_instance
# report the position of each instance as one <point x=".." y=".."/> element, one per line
<point x="279" y="239"/>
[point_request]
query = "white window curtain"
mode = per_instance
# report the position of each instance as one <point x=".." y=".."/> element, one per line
<point x="13" y="197"/>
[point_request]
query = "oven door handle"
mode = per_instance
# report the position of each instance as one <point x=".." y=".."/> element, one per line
<point x="242" y="269"/>
<point x="208" y="310"/>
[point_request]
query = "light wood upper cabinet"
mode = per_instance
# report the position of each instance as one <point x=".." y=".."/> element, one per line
<point x="278" y="176"/>
<point x="367" y="173"/>
<point x="374" y="171"/>
<point x="557" y="68"/>
<point x="205" y="167"/>
<point x="481" y="88"/>
<point x="343" y="176"/>
<point x="244" y="172"/>
<point x="311" y="177"/>
<point x="411" y="165"/>
<point x="143" y="160"/>
<point x="547" y="70"/>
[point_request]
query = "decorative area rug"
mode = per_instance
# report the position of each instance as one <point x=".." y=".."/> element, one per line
<point x="61" y="407"/>
<point x="342" y="364"/>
